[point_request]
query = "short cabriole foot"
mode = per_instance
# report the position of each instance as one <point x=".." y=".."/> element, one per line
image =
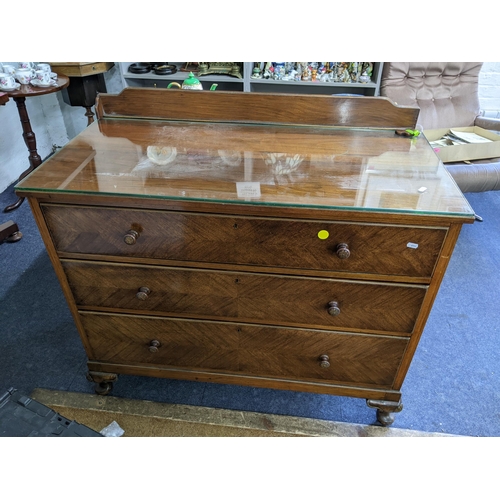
<point x="103" y="381"/>
<point x="14" y="237"/>
<point x="9" y="232"/>
<point x="385" y="409"/>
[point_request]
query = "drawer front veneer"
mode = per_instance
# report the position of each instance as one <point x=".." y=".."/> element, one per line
<point x="245" y="349"/>
<point x="247" y="297"/>
<point x="313" y="245"/>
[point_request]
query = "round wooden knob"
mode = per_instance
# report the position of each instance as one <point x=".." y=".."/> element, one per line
<point x="143" y="293"/>
<point x="333" y="308"/>
<point x="343" y="251"/>
<point x="154" y="345"/>
<point x="131" y="237"/>
<point x="324" y="361"/>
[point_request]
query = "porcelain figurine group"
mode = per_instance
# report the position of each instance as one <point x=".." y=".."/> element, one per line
<point x="344" y="72"/>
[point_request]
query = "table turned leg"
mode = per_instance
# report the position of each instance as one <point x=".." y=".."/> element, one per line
<point x="385" y="409"/>
<point x="30" y="140"/>
<point x="89" y="114"/>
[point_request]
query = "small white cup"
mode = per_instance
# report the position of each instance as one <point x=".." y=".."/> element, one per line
<point x="9" y="69"/>
<point x="7" y="81"/>
<point x="42" y="77"/>
<point x="26" y="65"/>
<point x="44" y="67"/>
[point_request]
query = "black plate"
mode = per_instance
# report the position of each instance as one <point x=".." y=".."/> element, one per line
<point x="139" y="68"/>
<point x="165" y="69"/>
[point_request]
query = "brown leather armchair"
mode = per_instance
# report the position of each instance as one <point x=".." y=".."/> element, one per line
<point x="447" y="95"/>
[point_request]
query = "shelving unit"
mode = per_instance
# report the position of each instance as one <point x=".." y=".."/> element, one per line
<point x="152" y="80"/>
<point x="248" y="84"/>
<point x="316" y="87"/>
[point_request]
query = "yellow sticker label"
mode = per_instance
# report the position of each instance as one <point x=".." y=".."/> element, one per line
<point x="323" y="235"/>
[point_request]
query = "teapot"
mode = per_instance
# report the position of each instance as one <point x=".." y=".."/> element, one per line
<point x="24" y="75"/>
<point x="190" y="83"/>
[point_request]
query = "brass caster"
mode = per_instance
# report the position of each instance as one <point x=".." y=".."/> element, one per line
<point x="103" y="388"/>
<point x="385" y="410"/>
<point x="14" y="237"/>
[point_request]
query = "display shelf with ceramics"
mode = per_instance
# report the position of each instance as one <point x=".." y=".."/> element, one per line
<point x="361" y="78"/>
<point x="358" y="78"/>
<point x="227" y="76"/>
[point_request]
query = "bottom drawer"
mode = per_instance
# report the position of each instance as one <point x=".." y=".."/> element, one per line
<point x="243" y="349"/>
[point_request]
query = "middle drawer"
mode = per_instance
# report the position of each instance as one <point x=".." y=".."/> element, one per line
<point x="246" y="297"/>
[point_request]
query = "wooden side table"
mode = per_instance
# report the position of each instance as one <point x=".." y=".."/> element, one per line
<point x="9" y="231"/>
<point x="19" y="97"/>
<point x="86" y="81"/>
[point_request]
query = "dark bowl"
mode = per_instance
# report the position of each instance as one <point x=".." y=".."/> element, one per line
<point x="165" y="69"/>
<point x="139" y="68"/>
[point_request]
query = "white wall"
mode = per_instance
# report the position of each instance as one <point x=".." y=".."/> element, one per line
<point x="55" y="123"/>
<point x="489" y="89"/>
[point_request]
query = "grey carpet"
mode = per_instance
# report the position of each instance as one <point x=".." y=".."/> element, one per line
<point x="452" y="387"/>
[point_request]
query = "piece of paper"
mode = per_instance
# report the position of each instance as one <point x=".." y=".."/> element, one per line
<point x="469" y="137"/>
<point x="248" y="189"/>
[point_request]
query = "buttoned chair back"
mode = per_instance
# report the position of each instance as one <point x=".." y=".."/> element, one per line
<point x="447" y="95"/>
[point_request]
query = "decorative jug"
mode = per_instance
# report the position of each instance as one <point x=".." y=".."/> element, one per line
<point x="190" y="83"/>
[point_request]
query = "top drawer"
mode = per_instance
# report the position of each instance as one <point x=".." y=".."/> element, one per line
<point x="284" y="243"/>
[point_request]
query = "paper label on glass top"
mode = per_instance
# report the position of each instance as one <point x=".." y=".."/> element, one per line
<point x="248" y="189"/>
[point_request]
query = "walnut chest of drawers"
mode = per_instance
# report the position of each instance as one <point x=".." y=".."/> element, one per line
<point x="289" y="242"/>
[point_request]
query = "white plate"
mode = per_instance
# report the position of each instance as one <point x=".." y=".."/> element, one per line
<point x="37" y="83"/>
<point x="17" y="87"/>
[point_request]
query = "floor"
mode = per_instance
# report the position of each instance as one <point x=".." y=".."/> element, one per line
<point x="453" y="385"/>
<point x="163" y="419"/>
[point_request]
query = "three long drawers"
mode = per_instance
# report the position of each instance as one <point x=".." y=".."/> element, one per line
<point x="153" y="289"/>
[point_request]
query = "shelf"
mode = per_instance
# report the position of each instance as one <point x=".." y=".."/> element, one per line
<point x="224" y="82"/>
<point x="249" y="84"/>
<point x="317" y="87"/>
<point x="309" y="83"/>
<point x="181" y="76"/>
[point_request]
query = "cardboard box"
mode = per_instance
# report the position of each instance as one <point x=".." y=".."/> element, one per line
<point x="466" y="151"/>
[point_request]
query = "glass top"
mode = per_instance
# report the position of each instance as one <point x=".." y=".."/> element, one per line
<point x="279" y="165"/>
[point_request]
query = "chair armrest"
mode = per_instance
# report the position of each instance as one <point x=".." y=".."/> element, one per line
<point x="487" y="123"/>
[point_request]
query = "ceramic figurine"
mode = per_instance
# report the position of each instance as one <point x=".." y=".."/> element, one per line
<point x="325" y="77"/>
<point x="267" y="70"/>
<point x="256" y="73"/>
<point x="368" y="68"/>
<point x="364" y="78"/>
<point x="353" y="72"/>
